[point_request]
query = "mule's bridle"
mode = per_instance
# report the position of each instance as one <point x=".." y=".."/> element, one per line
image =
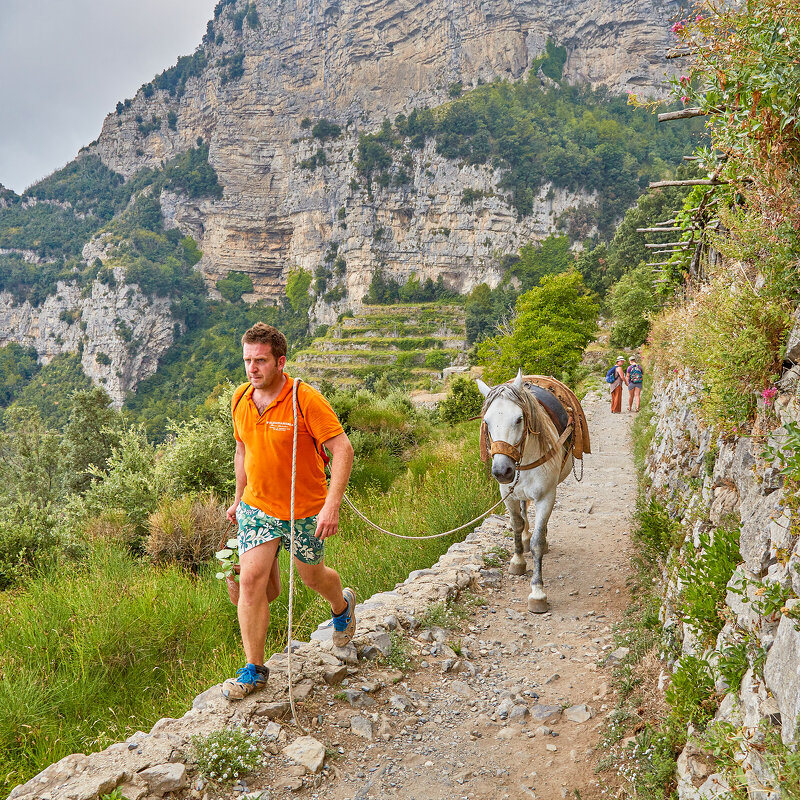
<point x="516" y="451"/>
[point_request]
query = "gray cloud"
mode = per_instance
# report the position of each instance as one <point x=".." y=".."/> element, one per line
<point x="64" y="64"/>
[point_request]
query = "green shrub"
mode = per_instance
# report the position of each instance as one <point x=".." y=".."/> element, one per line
<point x="463" y="401"/>
<point x="27" y="539"/>
<point x="234" y="285"/>
<point x="690" y="693"/>
<point x="437" y="360"/>
<point x="656" y="532"/>
<point x="552" y="325"/>
<point x="704" y="576"/>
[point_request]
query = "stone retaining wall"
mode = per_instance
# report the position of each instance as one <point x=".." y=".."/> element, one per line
<point x="708" y="480"/>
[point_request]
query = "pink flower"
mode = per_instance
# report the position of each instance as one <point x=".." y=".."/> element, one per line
<point x="679" y="26"/>
<point x="684" y="99"/>
<point x="684" y="79"/>
<point x="768" y="396"/>
<point x="698" y="18"/>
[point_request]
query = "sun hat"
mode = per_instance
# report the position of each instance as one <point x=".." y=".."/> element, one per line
<point x="620" y="358"/>
<point x="632" y="359"/>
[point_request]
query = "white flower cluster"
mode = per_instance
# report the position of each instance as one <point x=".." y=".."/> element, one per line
<point x="225" y="755"/>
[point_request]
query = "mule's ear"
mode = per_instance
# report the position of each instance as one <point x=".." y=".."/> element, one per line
<point x="484" y="389"/>
<point x="518" y="379"/>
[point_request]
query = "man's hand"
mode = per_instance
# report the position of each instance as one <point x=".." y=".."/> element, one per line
<point x="327" y="521"/>
<point x="231" y="512"/>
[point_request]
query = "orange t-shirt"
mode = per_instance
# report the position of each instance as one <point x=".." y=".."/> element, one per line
<point x="267" y="442"/>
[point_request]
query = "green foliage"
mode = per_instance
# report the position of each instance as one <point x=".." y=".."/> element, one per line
<point x="704" y="575"/>
<point x="87" y="184"/>
<point x="226" y="755"/>
<point x="27" y="540"/>
<point x="603" y="265"/>
<point x="385" y="290"/>
<point x="51" y="389"/>
<point x="128" y="483"/>
<point x="745" y="64"/>
<point x="552" y="325"/>
<point x="326" y="130"/>
<point x="691" y="692"/>
<point x="92" y="432"/>
<point x="232" y="67"/>
<point x="633" y="299"/>
<point x="234" y="285"/>
<point x="17" y="366"/>
<point x="656" y="532"/>
<point x="551" y="256"/>
<point x="463" y="401"/>
<point x="400" y="654"/>
<point x="174" y="79"/>
<point x="552" y="63"/>
<point x="191" y="173"/>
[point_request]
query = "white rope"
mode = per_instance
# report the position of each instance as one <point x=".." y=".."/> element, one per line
<point x="433" y="535"/>
<point x="291" y="555"/>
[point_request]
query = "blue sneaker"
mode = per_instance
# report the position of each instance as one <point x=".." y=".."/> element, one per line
<point x="249" y="678"/>
<point x="344" y="626"/>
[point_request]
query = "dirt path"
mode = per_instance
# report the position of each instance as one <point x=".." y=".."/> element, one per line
<point x="496" y="730"/>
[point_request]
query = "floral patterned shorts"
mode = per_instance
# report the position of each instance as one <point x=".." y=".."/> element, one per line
<point x="257" y="527"/>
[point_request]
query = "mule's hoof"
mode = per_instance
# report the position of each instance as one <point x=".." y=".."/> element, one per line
<point x="517" y="567"/>
<point x="538" y="605"/>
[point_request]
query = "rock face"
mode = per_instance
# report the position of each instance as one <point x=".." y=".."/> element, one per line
<point x="356" y="63"/>
<point x="120" y="333"/>
<point x="712" y="481"/>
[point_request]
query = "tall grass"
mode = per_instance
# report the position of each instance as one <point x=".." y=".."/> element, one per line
<point x="94" y="652"/>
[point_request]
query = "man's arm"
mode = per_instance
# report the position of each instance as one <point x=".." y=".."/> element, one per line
<point x="341" y="463"/>
<point x="241" y="480"/>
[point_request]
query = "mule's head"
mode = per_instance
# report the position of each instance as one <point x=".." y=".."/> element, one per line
<point x="505" y="422"/>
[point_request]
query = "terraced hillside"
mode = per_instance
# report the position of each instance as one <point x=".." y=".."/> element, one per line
<point x="408" y="343"/>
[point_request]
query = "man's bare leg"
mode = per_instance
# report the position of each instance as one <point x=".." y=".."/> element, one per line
<point x="258" y="565"/>
<point x="324" y="581"/>
<point x="274" y="583"/>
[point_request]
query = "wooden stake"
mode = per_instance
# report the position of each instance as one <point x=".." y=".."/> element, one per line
<point x="684" y="113"/>
<point x="692" y="182"/>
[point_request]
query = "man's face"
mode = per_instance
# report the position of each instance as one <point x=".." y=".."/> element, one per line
<point x="263" y="369"/>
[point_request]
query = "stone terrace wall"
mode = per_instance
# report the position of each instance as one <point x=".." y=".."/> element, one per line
<point x="708" y="480"/>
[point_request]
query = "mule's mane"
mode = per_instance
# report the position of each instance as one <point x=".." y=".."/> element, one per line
<point x="534" y="416"/>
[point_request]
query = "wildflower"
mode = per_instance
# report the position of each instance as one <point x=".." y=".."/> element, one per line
<point x="684" y="79"/>
<point x="768" y="396"/>
<point x="679" y="26"/>
<point x="684" y="99"/>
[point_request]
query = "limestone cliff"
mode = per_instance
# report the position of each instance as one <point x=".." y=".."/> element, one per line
<point x="356" y="63"/>
<point x="119" y="332"/>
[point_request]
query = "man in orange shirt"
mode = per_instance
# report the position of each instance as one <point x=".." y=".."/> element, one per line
<point x="263" y="428"/>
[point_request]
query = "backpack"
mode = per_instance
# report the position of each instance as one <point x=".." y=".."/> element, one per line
<point x="635" y="374"/>
<point x="611" y="375"/>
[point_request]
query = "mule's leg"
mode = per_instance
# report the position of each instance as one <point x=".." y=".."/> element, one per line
<point x="537" y="599"/>
<point x="518" y="522"/>
<point x="526" y="531"/>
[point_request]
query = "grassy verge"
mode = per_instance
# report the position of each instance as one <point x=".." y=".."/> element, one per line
<point x="94" y="652"/>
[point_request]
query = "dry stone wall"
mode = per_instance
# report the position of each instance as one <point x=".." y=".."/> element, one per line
<point x="152" y="765"/>
<point x="709" y="480"/>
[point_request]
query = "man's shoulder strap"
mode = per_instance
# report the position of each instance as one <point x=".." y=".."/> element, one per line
<point x="238" y="394"/>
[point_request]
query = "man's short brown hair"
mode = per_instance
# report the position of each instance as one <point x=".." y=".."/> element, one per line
<point x="261" y="333"/>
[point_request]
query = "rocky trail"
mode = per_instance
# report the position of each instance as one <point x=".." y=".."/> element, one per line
<point x="507" y="704"/>
<point x="492" y="701"/>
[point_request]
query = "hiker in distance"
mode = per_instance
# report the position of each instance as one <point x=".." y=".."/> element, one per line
<point x="263" y="429"/>
<point x="635" y="375"/>
<point x="616" y="377"/>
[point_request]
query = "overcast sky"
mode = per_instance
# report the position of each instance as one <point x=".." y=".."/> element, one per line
<point x="64" y="64"/>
